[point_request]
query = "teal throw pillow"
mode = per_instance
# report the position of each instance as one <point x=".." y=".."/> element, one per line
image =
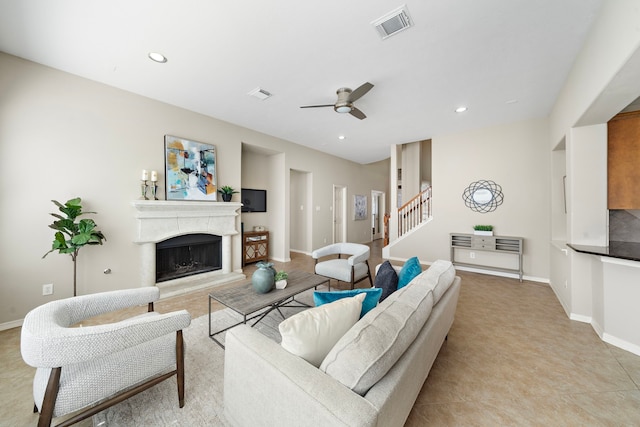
<point x="370" y="300"/>
<point x="409" y="270"/>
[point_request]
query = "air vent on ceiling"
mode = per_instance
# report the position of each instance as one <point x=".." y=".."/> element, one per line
<point x="261" y="94"/>
<point x="393" y="22"/>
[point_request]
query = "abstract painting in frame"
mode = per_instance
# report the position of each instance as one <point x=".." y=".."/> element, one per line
<point x="359" y="207"/>
<point x="190" y="169"/>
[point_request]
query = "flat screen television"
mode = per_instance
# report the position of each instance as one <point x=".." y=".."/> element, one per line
<point x="253" y="200"/>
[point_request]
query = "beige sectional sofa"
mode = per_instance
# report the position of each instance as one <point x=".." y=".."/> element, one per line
<point x="371" y="377"/>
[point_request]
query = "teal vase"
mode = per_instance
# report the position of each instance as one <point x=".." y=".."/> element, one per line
<point x="263" y="278"/>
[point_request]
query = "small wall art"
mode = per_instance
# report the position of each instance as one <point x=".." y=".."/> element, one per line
<point x="359" y="207"/>
<point x="190" y="169"/>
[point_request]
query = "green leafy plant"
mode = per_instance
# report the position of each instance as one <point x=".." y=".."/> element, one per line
<point x="281" y="275"/>
<point x="483" y="227"/>
<point x="71" y="235"/>
<point x="227" y="190"/>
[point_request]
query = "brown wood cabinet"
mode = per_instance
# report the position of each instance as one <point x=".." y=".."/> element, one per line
<point x="255" y="246"/>
<point x="623" y="161"/>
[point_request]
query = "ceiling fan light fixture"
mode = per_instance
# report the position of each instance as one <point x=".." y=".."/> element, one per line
<point x="343" y="109"/>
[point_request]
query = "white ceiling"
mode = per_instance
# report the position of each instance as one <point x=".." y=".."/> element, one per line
<point x="504" y="59"/>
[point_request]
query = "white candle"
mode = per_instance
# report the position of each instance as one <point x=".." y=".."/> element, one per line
<point x="154" y="176"/>
<point x="145" y="175"/>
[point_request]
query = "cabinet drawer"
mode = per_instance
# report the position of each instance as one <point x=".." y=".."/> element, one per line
<point x="483" y="242"/>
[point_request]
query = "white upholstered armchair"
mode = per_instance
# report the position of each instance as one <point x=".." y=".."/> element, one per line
<point x="96" y="367"/>
<point x="352" y="268"/>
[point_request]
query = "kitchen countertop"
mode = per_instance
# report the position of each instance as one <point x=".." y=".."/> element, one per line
<point x="622" y="250"/>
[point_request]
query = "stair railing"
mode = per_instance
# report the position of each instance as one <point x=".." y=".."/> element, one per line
<point x="414" y="212"/>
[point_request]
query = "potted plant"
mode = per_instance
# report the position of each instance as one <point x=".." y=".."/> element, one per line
<point x="483" y="230"/>
<point x="281" y="279"/>
<point x="71" y="235"/>
<point x="227" y="192"/>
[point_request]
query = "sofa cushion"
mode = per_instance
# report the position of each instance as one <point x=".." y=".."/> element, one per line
<point x="410" y="269"/>
<point x="372" y="296"/>
<point x="373" y="345"/>
<point x="439" y="278"/>
<point x="386" y="279"/>
<point x="310" y="334"/>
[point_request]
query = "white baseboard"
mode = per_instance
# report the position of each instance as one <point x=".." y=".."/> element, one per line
<point x="625" y="345"/>
<point x="580" y="318"/>
<point x="300" y="252"/>
<point x="11" y="325"/>
<point x="281" y="259"/>
<point x="502" y="274"/>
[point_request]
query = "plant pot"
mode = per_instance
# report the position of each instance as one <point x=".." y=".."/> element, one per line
<point x="227" y="197"/>
<point x="281" y="284"/>
<point x="482" y="233"/>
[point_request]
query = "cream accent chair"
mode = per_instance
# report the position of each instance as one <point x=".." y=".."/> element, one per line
<point x="352" y="270"/>
<point x="80" y="367"/>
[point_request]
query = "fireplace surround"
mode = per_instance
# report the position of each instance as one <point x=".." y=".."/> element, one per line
<point x="160" y="220"/>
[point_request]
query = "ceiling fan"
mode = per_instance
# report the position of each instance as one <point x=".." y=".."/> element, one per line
<point x="346" y="98"/>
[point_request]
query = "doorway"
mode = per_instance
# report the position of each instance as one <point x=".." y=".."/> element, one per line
<point x="300" y="191"/>
<point x="377" y="214"/>
<point x="339" y="214"/>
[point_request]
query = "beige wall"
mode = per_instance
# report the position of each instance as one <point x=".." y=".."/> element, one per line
<point x="62" y="136"/>
<point x="516" y="157"/>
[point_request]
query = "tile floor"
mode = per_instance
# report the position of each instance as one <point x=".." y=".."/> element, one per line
<point x="513" y="358"/>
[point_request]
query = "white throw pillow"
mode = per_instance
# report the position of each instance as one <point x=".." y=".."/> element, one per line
<point x="310" y="334"/>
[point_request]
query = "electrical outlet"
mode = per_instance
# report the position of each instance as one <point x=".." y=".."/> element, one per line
<point x="47" y="289"/>
<point x="472" y="255"/>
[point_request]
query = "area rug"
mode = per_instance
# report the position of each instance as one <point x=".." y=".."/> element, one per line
<point x="204" y="373"/>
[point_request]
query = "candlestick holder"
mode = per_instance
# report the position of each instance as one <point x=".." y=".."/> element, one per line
<point x="143" y="189"/>
<point x="154" y="190"/>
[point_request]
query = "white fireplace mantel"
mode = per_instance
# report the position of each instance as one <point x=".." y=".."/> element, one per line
<point x="158" y="220"/>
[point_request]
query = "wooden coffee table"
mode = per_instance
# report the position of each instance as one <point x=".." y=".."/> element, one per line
<point x="245" y="301"/>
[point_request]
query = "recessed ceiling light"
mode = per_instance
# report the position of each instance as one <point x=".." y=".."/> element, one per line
<point x="512" y="101"/>
<point x="158" y="57"/>
<point x="461" y="109"/>
<point x="341" y="137"/>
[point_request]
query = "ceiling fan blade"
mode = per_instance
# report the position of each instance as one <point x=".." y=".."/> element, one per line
<point x="357" y="113"/>
<point x="359" y="92"/>
<point x="317" y="106"/>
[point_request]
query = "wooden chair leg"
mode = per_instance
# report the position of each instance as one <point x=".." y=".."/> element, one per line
<point x="50" y="396"/>
<point x="369" y="273"/>
<point x="35" y="408"/>
<point x="180" y="367"/>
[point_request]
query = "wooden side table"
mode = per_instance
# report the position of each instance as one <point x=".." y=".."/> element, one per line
<point x="255" y="246"/>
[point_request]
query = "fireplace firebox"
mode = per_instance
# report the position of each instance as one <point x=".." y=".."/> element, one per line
<point x="187" y="255"/>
